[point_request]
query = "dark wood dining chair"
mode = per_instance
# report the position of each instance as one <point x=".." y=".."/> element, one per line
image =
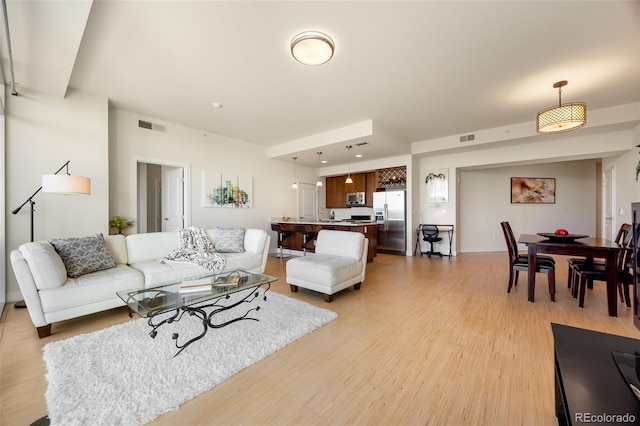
<point x="579" y="262"/>
<point x="598" y="272"/>
<point x="518" y="262"/>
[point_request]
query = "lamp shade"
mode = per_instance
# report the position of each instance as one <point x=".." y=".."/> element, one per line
<point x="66" y="184"/>
<point x="562" y="118"/>
<point x="312" y="48"/>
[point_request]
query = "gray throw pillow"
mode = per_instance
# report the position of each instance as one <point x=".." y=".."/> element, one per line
<point x="83" y="255"/>
<point x="228" y="240"/>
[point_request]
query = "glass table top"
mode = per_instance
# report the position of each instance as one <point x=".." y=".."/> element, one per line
<point x="152" y="301"/>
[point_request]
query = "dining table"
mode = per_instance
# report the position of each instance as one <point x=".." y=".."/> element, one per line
<point x="588" y="247"/>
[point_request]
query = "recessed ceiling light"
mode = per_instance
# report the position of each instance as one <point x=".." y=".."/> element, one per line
<point x="217" y="105"/>
<point x="324" y="161"/>
<point x="358" y="155"/>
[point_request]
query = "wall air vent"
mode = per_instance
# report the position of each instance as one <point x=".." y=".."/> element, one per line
<point x="362" y="144"/>
<point x="467" y="138"/>
<point x="151" y="126"/>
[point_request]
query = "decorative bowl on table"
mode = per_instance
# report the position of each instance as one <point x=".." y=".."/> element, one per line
<point x="566" y="238"/>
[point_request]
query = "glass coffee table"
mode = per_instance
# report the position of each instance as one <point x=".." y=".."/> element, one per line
<point x="203" y="296"/>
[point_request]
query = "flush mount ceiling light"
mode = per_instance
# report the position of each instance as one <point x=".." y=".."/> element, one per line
<point x="563" y="117"/>
<point x="312" y="48"/>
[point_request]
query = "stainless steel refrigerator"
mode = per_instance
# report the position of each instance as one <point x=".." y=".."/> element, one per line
<point x="389" y="208"/>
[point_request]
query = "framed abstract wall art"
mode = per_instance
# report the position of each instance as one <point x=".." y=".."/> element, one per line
<point x="437" y="182"/>
<point x="227" y="190"/>
<point x="530" y="190"/>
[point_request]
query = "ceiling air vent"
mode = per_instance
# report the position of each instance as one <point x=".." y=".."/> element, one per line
<point x="467" y="138"/>
<point x="151" y="126"/>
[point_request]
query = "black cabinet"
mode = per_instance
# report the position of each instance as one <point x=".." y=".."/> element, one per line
<point x="589" y="386"/>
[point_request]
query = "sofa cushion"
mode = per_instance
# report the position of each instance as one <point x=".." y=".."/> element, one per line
<point x="254" y="240"/>
<point x="150" y="246"/>
<point x="91" y="288"/>
<point x="117" y="246"/>
<point x="247" y="261"/>
<point x="160" y="272"/>
<point x="45" y="264"/>
<point x="324" y="269"/>
<point x="228" y="240"/>
<point x="83" y="255"/>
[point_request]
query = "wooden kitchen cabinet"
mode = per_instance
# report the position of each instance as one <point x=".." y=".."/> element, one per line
<point x="336" y="192"/>
<point x="372" y="185"/>
<point x="337" y="189"/>
<point x="359" y="183"/>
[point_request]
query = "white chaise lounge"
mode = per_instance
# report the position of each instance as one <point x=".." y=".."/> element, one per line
<point x="339" y="261"/>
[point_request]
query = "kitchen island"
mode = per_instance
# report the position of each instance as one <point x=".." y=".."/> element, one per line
<point x="303" y="233"/>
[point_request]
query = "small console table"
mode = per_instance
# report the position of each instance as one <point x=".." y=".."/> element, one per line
<point x="441" y="228"/>
<point x="589" y="387"/>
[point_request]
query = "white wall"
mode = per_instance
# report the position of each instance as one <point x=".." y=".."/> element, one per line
<point x="200" y="150"/>
<point x="3" y="203"/>
<point x="485" y="201"/>
<point x="616" y="146"/>
<point x="42" y="133"/>
<point x="627" y="189"/>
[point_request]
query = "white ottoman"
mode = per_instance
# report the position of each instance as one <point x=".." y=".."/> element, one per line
<point x="339" y="261"/>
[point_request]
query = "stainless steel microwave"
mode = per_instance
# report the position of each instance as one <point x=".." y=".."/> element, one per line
<point x="355" y="199"/>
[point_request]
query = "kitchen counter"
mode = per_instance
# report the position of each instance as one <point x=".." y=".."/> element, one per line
<point x="346" y="222"/>
<point x="299" y="227"/>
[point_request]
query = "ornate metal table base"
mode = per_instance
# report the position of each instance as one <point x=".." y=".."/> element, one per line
<point x="207" y="318"/>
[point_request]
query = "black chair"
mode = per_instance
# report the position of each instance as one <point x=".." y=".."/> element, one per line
<point x="598" y="272"/>
<point x="524" y="257"/>
<point x="518" y="262"/>
<point x="580" y="262"/>
<point x="430" y="234"/>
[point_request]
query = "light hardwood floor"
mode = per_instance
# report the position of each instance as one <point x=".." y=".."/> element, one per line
<point x="424" y="342"/>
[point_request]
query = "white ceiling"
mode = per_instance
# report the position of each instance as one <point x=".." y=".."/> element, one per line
<point x="417" y="70"/>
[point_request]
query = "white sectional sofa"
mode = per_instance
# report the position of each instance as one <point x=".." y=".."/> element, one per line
<point x="52" y="296"/>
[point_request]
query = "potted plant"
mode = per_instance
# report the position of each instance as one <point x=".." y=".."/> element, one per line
<point x="120" y="223"/>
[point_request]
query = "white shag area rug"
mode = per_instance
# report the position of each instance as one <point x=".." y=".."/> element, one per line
<point x="121" y="376"/>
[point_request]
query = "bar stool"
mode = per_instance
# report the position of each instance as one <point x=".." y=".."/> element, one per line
<point x="283" y="232"/>
<point x="299" y="230"/>
<point x="309" y="234"/>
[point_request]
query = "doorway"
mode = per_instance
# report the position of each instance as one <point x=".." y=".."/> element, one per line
<point x="307" y="201"/>
<point x="608" y="203"/>
<point x="162" y="196"/>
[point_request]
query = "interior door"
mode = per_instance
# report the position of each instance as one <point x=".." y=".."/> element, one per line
<point x="608" y="204"/>
<point x="172" y="200"/>
<point x="307" y="203"/>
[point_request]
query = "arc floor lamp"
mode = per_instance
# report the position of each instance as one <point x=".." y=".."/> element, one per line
<point x="56" y="184"/>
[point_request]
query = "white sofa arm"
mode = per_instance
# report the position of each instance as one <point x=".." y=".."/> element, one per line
<point x="28" y="288"/>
